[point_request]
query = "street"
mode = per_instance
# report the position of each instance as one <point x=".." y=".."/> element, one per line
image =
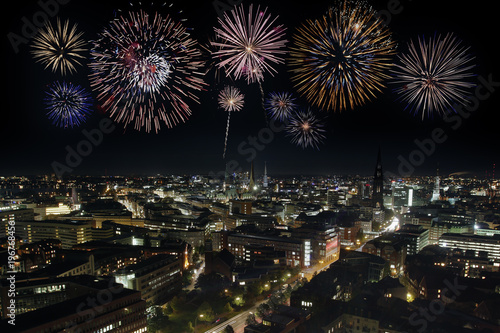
<point x="237" y="322"/>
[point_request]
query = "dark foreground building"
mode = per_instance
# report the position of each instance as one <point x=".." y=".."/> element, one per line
<point x="115" y="309"/>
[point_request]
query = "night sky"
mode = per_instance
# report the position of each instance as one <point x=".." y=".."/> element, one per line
<point x="30" y="143"/>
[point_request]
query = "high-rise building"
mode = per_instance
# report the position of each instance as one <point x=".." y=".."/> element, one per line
<point x="402" y="196"/>
<point x="75" y="202"/>
<point x="378" y="183"/>
<point x="435" y="192"/>
<point x="264" y="179"/>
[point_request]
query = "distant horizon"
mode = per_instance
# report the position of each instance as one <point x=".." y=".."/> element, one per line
<point x="275" y="175"/>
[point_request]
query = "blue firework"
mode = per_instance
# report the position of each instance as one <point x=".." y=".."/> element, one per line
<point x="280" y="105"/>
<point x="68" y="105"/>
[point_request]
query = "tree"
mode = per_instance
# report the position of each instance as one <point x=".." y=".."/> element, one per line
<point x="228" y="329"/>
<point x="360" y="235"/>
<point x="169" y="309"/>
<point x="212" y="283"/>
<point x="187" y="277"/>
<point x="238" y="300"/>
<point x="250" y="320"/>
<point x="228" y="307"/>
<point x="157" y="320"/>
<point x="288" y="291"/>
<point x="256" y="288"/>
<point x="205" y="312"/>
<point x="174" y="303"/>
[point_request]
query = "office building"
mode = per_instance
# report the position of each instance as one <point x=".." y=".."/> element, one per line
<point x="68" y="232"/>
<point x="114" y="309"/>
<point x="158" y="278"/>
<point x="298" y="252"/>
<point x="415" y="236"/>
<point x="488" y="245"/>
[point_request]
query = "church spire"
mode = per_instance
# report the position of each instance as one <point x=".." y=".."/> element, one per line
<point x="251" y="185"/>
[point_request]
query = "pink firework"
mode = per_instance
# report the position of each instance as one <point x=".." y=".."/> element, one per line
<point x="248" y="42"/>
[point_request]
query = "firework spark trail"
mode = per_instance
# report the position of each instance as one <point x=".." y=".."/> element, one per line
<point x="341" y="60"/>
<point x="230" y="99"/>
<point x="262" y="102"/>
<point x="432" y="76"/>
<point x="306" y="129"/>
<point x="68" y="105"/>
<point x="144" y="68"/>
<point x="227" y="134"/>
<point x="248" y="44"/>
<point x="59" y="48"/>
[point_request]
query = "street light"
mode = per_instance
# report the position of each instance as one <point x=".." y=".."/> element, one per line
<point x="196" y="322"/>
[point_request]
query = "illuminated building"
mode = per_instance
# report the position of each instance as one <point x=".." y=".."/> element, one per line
<point x="110" y="310"/>
<point x="378" y="184"/>
<point x="436" y="190"/>
<point x="347" y="234"/>
<point x="324" y="242"/>
<point x="298" y="252"/>
<point x="33" y="294"/>
<point x="240" y="207"/>
<point x="490" y="245"/>
<point x="390" y="248"/>
<point x="68" y="232"/>
<point x="13" y="214"/>
<point x="265" y="181"/>
<point x="416" y="237"/>
<point x="158" y="278"/>
<point x="39" y="254"/>
<point x="402" y="196"/>
<point x="437" y="229"/>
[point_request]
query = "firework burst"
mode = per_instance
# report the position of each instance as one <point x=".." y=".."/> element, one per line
<point x="145" y="68"/>
<point x="247" y="43"/>
<point x="68" y="105"/>
<point x="340" y="60"/>
<point x="59" y="48"/>
<point x="230" y="99"/>
<point x="306" y="129"/>
<point x="280" y="105"/>
<point x="433" y="75"/>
